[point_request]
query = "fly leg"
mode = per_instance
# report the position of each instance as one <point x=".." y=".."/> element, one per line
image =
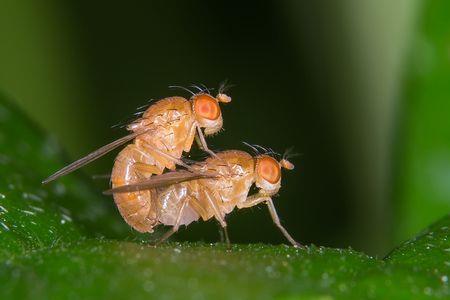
<point x="218" y="215"/>
<point x="259" y="198"/>
<point x="253" y="200"/>
<point x="223" y="234"/>
<point x="190" y="138"/>
<point x="227" y="238"/>
<point x="168" y="156"/>
<point x="146" y="169"/>
<point x="277" y="222"/>
<point x="202" y="143"/>
<point x="175" y="226"/>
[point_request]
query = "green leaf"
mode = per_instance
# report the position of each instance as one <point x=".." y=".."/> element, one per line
<point x="49" y="247"/>
<point x="33" y="216"/>
<point x="181" y="270"/>
<point x="102" y="268"/>
<point x="429" y="250"/>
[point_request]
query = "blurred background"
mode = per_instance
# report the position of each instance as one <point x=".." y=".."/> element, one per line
<point x="359" y="88"/>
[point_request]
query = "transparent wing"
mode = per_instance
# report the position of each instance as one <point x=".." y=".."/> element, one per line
<point x="162" y="180"/>
<point x="93" y="156"/>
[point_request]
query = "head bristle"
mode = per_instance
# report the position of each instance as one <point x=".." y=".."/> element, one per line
<point x="260" y="150"/>
<point x="207" y="89"/>
<point x="202" y="89"/>
<point x="255" y="150"/>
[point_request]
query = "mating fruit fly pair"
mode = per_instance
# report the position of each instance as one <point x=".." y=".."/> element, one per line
<point x="146" y="196"/>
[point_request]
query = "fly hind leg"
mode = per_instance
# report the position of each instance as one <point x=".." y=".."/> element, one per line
<point x="217" y="214"/>
<point x="144" y="170"/>
<point x="175" y="226"/>
<point x="223" y="234"/>
<point x="227" y="238"/>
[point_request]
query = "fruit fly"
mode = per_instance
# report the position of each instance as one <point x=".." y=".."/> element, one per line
<point x="212" y="188"/>
<point x="161" y="134"/>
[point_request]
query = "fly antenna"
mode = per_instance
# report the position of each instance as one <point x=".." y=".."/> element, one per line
<point x="224" y="86"/>
<point x="284" y="162"/>
<point x="289" y="153"/>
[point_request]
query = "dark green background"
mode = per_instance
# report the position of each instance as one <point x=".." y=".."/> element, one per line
<point x="360" y="90"/>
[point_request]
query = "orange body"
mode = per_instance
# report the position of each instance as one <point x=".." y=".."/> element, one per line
<point x="165" y="130"/>
<point x="172" y="126"/>
<point x="205" y="198"/>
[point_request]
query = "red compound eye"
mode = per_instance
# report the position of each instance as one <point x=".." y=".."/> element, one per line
<point x="207" y="107"/>
<point x="269" y="169"/>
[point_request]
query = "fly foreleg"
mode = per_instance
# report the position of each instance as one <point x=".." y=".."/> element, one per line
<point x="259" y="198"/>
<point x="201" y="141"/>
<point x="277" y="222"/>
<point x="253" y="200"/>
